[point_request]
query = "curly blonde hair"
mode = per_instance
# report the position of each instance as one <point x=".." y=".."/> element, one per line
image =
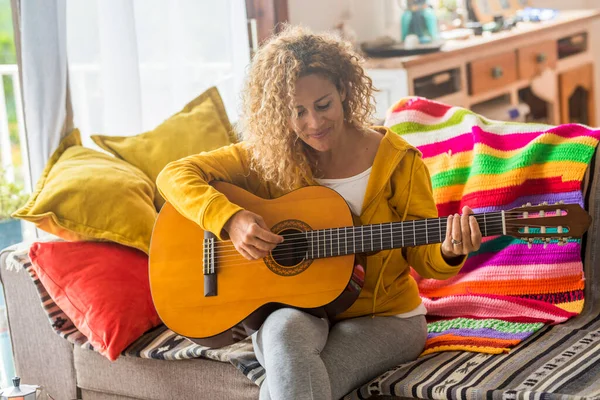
<point x="277" y="153"/>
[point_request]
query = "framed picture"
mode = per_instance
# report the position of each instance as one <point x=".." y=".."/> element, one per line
<point x="520" y="4"/>
<point x="485" y="10"/>
<point x="507" y="8"/>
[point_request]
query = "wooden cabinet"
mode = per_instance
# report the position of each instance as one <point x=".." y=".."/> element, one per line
<point x="492" y="72"/>
<point x="548" y="67"/>
<point x="576" y="93"/>
<point x="535" y="58"/>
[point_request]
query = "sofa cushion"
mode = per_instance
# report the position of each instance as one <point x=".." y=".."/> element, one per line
<point x="84" y="194"/>
<point x="102" y="287"/>
<point x="159" y="379"/>
<point x="201" y="125"/>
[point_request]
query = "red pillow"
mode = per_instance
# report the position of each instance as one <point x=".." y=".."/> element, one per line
<point x="103" y="287"/>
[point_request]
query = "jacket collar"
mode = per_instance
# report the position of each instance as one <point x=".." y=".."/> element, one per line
<point x="392" y="150"/>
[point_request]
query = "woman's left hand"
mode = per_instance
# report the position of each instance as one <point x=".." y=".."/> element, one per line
<point x="462" y="235"/>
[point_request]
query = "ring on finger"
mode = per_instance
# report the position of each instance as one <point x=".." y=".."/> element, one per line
<point x="456" y="242"/>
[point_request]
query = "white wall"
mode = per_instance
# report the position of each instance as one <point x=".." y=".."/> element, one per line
<point x="369" y="18"/>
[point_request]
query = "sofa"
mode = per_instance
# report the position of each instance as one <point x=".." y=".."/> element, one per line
<point x="74" y="372"/>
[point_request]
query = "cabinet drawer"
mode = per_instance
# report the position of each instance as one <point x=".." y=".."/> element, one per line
<point x="533" y="59"/>
<point x="492" y="72"/>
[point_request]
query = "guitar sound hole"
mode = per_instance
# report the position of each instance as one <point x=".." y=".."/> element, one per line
<point x="293" y="249"/>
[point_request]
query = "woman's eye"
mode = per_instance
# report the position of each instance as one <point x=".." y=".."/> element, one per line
<point x="301" y="113"/>
<point x="323" y="107"/>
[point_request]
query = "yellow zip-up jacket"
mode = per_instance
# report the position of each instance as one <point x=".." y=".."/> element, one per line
<point x="399" y="188"/>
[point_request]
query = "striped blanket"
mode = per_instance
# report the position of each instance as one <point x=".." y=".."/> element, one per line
<point x="509" y="289"/>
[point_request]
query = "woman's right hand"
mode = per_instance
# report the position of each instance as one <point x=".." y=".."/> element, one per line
<point x="251" y="235"/>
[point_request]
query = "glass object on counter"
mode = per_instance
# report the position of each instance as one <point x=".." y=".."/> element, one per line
<point x="419" y="19"/>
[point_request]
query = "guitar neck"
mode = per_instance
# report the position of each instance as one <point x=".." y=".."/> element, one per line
<point x="333" y="242"/>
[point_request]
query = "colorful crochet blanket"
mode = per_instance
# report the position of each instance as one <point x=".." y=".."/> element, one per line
<point x="507" y="290"/>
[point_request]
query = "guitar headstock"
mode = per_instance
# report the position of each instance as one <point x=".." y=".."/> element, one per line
<point x="546" y="222"/>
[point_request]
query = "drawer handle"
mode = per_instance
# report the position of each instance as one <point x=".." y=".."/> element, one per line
<point x="541" y="58"/>
<point x="497" y="72"/>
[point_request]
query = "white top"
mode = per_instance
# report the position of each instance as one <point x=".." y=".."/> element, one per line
<point x="353" y="190"/>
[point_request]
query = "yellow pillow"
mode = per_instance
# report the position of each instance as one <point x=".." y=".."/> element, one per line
<point x="84" y="194"/>
<point x="202" y="125"/>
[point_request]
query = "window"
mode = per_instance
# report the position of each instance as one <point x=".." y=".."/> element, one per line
<point x="12" y="178"/>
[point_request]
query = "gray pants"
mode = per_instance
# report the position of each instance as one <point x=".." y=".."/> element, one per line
<point x="304" y="359"/>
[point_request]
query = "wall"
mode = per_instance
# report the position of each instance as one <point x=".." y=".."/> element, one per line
<point x="373" y="18"/>
<point x="369" y="18"/>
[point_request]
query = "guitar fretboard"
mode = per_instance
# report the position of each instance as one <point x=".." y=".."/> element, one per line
<point x="334" y="242"/>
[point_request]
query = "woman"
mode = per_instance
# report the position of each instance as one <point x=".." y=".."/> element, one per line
<point x="307" y="105"/>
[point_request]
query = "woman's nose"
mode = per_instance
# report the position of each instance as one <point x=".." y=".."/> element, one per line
<point x="314" y="120"/>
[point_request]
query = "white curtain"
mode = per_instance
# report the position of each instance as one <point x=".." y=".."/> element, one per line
<point x="134" y="63"/>
<point x="131" y="64"/>
<point x="43" y="69"/>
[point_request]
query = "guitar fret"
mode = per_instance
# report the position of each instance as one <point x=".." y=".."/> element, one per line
<point x="440" y="226"/>
<point x="345" y="240"/>
<point x="338" y="241"/>
<point x="362" y="240"/>
<point x="402" y="232"/>
<point x="354" y="240"/>
<point x="381" y="234"/>
<point x="371" y="226"/>
<point x="392" y="234"/>
<point x="318" y="245"/>
<point x="484" y="224"/>
<point x="426" y="238"/>
<point x="331" y="241"/>
<point x="414" y="233"/>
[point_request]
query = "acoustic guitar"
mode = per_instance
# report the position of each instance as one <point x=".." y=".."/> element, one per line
<point x="205" y="290"/>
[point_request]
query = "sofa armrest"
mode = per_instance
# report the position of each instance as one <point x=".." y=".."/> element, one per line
<point x="41" y="356"/>
<point x="591" y="263"/>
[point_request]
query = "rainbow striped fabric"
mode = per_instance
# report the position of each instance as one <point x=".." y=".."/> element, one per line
<point x="507" y="290"/>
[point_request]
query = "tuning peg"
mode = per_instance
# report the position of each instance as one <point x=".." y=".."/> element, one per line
<point x="530" y="243"/>
<point x="561" y="202"/>
<point x="528" y="204"/>
<point x="546" y="242"/>
<point x="544" y="203"/>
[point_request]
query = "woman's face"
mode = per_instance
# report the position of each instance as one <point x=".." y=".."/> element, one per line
<point x="319" y="114"/>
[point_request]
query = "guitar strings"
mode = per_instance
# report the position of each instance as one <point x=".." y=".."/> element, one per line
<point x="418" y="224"/>
<point x="286" y="254"/>
<point x="224" y="249"/>
<point x="290" y="256"/>
<point x="383" y="229"/>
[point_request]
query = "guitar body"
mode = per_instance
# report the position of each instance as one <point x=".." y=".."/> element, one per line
<point x="247" y="291"/>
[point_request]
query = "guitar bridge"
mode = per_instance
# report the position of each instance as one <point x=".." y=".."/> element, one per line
<point x="208" y="265"/>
